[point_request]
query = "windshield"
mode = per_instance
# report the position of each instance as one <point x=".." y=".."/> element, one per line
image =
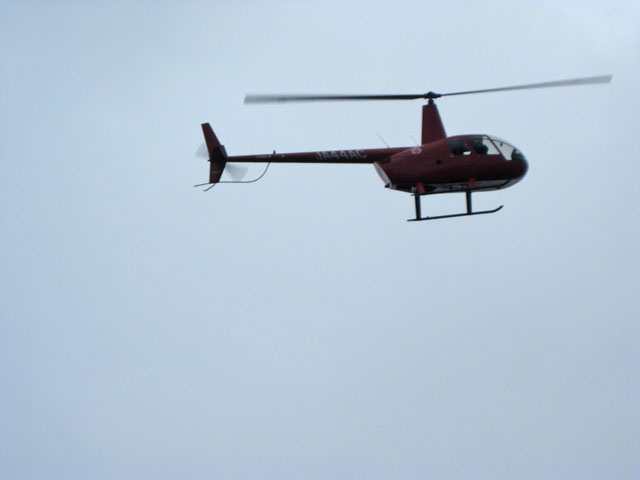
<point x="508" y="151"/>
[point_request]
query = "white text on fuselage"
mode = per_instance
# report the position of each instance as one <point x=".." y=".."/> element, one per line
<point x="341" y="155"/>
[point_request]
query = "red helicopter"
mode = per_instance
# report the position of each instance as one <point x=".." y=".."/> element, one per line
<point x="461" y="163"/>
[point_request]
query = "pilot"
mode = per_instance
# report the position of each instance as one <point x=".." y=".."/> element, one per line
<point x="479" y="146"/>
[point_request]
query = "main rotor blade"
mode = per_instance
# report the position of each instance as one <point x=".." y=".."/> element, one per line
<point x="312" y="98"/>
<point x="282" y="98"/>
<point x="557" y="83"/>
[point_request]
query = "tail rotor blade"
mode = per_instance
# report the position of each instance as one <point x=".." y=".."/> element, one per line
<point x="237" y="172"/>
<point x="202" y="151"/>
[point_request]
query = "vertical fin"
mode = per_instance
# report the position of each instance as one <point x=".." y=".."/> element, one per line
<point x="210" y="138"/>
<point x="217" y="154"/>
<point x="215" y="171"/>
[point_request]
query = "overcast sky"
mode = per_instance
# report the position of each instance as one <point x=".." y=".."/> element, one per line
<point x="299" y="327"/>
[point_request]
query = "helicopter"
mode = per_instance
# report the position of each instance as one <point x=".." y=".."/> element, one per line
<point x="441" y="164"/>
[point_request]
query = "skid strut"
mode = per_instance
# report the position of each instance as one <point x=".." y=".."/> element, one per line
<point x="470" y="211"/>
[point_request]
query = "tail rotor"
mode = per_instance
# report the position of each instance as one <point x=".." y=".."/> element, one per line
<point x="236" y="172"/>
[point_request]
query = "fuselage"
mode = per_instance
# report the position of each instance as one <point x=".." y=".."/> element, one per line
<point x="452" y="164"/>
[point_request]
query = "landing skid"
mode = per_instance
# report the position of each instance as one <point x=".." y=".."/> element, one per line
<point x="470" y="211"/>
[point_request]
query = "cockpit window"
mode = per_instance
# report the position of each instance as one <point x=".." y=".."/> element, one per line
<point x="509" y="151"/>
<point x="459" y="147"/>
<point x="482" y="145"/>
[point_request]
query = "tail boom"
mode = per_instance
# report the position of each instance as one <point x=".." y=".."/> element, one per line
<point x="368" y="156"/>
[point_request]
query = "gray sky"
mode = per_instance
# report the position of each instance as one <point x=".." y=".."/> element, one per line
<point x="299" y="327"/>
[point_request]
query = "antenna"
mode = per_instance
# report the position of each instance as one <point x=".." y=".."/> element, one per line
<point x="383" y="141"/>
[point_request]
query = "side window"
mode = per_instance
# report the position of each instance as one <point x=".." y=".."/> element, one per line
<point x="482" y="145"/>
<point x="458" y="146"/>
